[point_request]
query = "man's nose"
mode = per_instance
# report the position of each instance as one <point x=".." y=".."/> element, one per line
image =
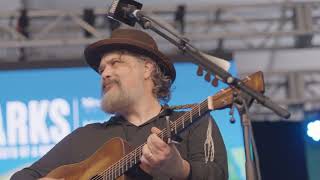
<point x="106" y="73"/>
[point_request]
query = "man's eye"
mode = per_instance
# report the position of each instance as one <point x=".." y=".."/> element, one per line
<point x="100" y="70"/>
<point x="115" y="62"/>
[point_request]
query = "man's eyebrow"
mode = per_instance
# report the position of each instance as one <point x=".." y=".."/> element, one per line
<point x="109" y="61"/>
<point x="114" y="59"/>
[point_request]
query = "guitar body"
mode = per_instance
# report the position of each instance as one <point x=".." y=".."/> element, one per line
<point x="111" y="152"/>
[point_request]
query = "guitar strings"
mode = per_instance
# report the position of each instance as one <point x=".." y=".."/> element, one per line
<point x="107" y="172"/>
<point x="126" y="157"/>
<point x="163" y="132"/>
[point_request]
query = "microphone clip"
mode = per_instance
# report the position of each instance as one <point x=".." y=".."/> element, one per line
<point x="123" y="11"/>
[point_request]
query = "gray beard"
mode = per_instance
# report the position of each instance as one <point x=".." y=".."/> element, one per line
<point x="115" y="102"/>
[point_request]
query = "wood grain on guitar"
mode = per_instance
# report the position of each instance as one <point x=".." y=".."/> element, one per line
<point x="114" y="158"/>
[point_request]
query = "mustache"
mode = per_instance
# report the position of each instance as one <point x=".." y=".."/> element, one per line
<point x="106" y="83"/>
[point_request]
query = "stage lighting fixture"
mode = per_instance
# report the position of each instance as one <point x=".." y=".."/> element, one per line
<point x="314" y="130"/>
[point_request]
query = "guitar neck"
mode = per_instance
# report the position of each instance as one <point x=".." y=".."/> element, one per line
<point x="176" y="127"/>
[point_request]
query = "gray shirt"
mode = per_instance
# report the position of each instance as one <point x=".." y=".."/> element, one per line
<point x="84" y="141"/>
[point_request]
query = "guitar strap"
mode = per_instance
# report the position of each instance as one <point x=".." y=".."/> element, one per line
<point x="209" y="145"/>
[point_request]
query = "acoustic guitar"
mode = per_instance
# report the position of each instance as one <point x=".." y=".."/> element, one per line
<point x="114" y="158"/>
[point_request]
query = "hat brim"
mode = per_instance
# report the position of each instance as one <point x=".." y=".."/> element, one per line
<point x="94" y="52"/>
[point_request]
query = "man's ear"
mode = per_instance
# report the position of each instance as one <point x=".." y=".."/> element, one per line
<point x="148" y="68"/>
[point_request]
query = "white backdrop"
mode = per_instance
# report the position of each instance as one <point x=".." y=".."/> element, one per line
<point x="76" y="4"/>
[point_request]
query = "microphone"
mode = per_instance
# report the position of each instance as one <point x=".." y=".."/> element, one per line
<point x="125" y="11"/>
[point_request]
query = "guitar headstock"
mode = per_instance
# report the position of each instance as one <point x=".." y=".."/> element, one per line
<point x="224" y="98"/>
<point x="224" y="64"/>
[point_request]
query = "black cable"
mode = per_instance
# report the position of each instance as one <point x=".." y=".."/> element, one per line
<point x="255" y="154"/>
<point x="254" y="146"/>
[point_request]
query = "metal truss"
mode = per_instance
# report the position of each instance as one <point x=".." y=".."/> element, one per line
<point x="297" y="91"/>
<point x="58" y="35"/>
<point x="209" y="26"/>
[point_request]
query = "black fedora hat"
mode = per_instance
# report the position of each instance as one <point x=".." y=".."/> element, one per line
<point x="134" y="41"/>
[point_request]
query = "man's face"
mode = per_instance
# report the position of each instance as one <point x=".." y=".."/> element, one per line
<point x="122" y="78"/>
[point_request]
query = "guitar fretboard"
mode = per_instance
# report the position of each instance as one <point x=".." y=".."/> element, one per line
<point x="176" y="127"/>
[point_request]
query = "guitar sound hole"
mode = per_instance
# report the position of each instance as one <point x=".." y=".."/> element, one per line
<point x="96" y="177"/>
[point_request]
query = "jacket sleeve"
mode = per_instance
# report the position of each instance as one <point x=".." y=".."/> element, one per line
<point x="56" y="157"/>
<point x="212" y="169"/>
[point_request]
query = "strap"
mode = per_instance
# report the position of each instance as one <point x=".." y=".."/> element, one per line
<point x="208" y="144"/>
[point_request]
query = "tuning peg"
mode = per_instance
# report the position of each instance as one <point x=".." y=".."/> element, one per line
<point x="232" y="119"/>
<point x="207" y="77"/>
<point x="215" y="81"/>
<point x="200" y="71"/>
<point x="231" y="113"/>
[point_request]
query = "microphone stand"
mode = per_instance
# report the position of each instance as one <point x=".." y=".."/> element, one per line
<point x="184" y="45"/>
<point x="242" y="103"/>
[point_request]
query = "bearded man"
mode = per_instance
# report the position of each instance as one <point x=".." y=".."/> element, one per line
<point x="136" y="79"/>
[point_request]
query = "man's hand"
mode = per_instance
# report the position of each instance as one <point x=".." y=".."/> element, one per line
<point x="159" y="157"/>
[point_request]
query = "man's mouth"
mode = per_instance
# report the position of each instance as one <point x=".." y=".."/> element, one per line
<point x="108" y="85"/>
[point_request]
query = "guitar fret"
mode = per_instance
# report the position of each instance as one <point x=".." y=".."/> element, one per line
<point x="182" y="121"/>
<point x="175" y="127"/>
<point x="120" y="168"/>
<point x="140" y="151"/>
<point x="112" y="173"/>
<point x="190" y="112"/>
<point x="126" y="164"/>
<point x="131" y="158"/>
<point x="116" y="173"/>
<point x="199" y="109"/>
<point x="135" y="157"/>
<point x="117" y="170"/>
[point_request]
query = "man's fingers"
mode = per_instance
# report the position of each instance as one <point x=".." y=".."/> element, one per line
<point x="146" y="168"/>
<point x="155" y="130"/>
<point x="156" y="144"/>
<point x="147" y="156"/>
